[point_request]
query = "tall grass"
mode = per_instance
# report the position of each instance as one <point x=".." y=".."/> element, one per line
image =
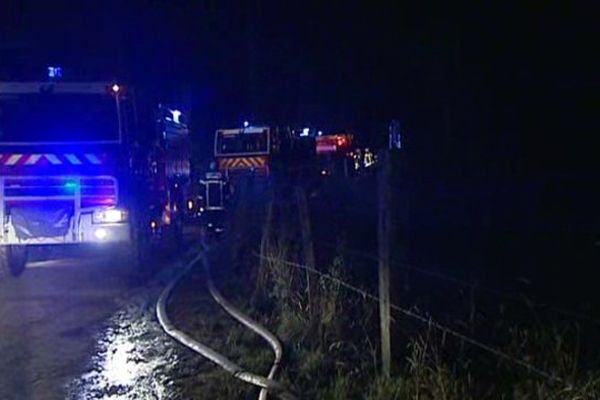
<point x="332" y="352"/>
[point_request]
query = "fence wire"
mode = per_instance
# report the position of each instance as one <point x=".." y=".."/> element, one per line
<point x="473" y="286"/>
<point x="425" y="320"/>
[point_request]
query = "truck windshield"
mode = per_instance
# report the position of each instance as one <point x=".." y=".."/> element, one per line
<point x="63" y="117"/>
<point x="242" y="143"/>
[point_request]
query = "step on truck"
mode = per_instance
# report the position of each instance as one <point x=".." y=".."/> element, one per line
<point x="72" y="171"/>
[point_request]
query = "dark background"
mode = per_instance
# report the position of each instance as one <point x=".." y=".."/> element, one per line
<point x="497" y="101"/>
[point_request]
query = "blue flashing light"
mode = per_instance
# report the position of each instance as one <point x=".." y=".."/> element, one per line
<point x="54" y="72"/>
<point x="305" y="132"/>
<point x="246" y="124"/>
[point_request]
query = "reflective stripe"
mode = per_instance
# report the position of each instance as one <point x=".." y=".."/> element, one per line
<point x="53" y="159"/>
<point x="13" y="159"/>
<point x="93" y="159"/>
<point x="34" y="158"/>
<point x="73" y="159"/>
<point x="243" y="163"/>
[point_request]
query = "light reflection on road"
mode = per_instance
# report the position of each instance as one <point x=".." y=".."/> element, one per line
<point x="133" y="362"/>
<point x="118" y="368"/>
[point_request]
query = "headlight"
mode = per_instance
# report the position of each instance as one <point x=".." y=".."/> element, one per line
<point x="109" y="216"/>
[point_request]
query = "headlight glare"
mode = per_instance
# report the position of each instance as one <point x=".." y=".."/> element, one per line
<point x="109" y="216"/>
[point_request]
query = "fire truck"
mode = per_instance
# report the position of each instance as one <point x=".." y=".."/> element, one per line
<point x="333" y="153"/>
<point x="244" y="150"/>
<point x="262" y="150"/>
<point x="74" y="171"/>
<point x="169" y="178"/>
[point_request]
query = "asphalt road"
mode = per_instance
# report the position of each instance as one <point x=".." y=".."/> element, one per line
<point x="51" y="320"/>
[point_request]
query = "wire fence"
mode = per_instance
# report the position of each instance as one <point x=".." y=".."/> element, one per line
<point x="423" y="319"/>
<point x="346" y="209"/>
<point x="476" y="286"/>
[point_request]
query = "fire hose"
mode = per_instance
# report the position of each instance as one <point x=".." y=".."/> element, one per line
<point x="267" y="384"/>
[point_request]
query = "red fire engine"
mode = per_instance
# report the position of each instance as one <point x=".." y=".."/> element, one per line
<point x="73" y="170"/>
<point x="332" y="152"/>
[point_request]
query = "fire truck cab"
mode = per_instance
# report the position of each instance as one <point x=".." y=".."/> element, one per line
<point x="71" y="171"/>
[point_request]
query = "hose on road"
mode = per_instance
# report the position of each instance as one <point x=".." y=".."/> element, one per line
<point x="267" y="384"/>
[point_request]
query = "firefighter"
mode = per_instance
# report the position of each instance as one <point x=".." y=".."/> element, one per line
<point x="215" y="188"/>
<point x="369" y="158"/>
<point x="357" y="158"/>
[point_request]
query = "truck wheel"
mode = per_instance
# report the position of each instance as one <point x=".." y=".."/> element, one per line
<point x="13" y="260"/>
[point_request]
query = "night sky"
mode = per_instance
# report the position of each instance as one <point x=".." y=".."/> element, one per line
<point x="497" y="102"/>
<point x="475" y="86"/>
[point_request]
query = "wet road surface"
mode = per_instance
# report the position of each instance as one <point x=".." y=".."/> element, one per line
<point x="72" y="328"/>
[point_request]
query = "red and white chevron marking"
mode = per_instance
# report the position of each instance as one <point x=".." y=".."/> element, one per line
<point x="41" y="159"/>
<point x="243" y="163"/>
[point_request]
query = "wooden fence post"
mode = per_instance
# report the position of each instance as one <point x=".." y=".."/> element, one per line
<point x="307" y="245"/>
<point x="384" y="230"/>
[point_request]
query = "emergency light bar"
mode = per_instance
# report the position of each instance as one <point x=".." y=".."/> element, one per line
<point x="92" y="191"/>
<point x="54" y="72"/>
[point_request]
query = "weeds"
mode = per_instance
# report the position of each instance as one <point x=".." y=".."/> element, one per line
<point x="331" y="350"/>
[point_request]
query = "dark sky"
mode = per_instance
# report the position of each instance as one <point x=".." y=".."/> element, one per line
<point x="474" y="85"/>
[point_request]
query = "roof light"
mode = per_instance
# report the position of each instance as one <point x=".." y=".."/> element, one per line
<point x="54" y="72"/>
<point x="176" y="114"/>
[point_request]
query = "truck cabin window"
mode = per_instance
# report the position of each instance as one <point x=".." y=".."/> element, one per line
<point x="243" y="143"/>
<point x="47" y="117"/>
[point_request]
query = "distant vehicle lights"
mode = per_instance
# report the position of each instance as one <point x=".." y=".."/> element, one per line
<point x="335" y="143"/>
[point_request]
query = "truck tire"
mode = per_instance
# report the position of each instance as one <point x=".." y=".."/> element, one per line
<point x="13" y="260"/>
